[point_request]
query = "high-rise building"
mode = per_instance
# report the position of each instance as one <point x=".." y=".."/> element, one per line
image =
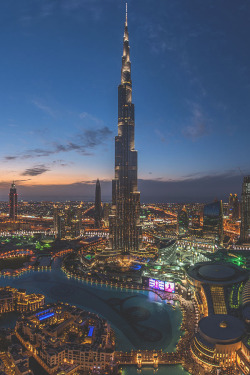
<point x="106" y="213"/>
<point x="125" y="230"/>
<point x="213" y="221"/>
<point x="245" y="211"/>
<point x="233" y="207"/>
<point x="13" y="202"/>
<point x="67" y="222"/>
<point x="98" y="204"/>
<point x="182" y="221"/>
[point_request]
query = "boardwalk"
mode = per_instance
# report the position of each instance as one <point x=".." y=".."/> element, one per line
<point x="145" y="357"/>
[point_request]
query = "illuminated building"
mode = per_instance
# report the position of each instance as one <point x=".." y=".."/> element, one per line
<point x="217" y="287"/>
<point x="246" y="302"/>
<point x="218" y="339"/>
<point x="19" y="361"/>
<point x="233" y="207"/>
<point x="213" y="221"/>
<point x="243" y="357"/>
<point x="98" y="204"/>
<point x="182" y="221"/>
<point x="12" y="299"/>
<point x="106" y="213"/>
<point x="245" y="211"/>
<point x="125" y="230"/>
<point x="13" y="202"/>
<point x="68" y="222"/>
<point x="6" y="300"/>
<point x="48" y="333"/>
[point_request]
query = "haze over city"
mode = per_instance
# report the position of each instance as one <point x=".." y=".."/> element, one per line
<point x="190" y="71"/>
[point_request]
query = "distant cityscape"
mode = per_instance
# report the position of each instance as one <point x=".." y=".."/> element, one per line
<point x="115" y="287"/>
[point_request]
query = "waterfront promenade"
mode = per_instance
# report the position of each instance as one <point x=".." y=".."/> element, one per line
<point x="119" y="306"/>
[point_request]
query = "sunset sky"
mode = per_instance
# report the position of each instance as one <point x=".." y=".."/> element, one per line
<point x="60" y="68"/>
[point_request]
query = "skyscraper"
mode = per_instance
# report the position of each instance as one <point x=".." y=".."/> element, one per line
<point x="245" y="211"/>
<point x="67" y="222"/>
<point x="125" y="231"/>
<point x="182" y="221"/>
<point x="13" y="202"/>
<point x="98" y="204"/>
<point x="233" y="207"/>
<point x="213" y="221"/>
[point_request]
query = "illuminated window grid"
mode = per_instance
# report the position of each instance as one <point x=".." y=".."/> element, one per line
<point x="218" y="299"/>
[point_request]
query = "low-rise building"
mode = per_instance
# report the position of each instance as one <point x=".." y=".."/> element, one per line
<point x="61" y="334"/>
<point x="12" y="299"/>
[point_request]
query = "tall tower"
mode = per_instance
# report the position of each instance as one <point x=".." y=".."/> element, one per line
<point x="13" y="202"/>
<point x="98" y="204"/>
<point x="213" y="221"/>
<point x="182" y="221"/>
<point x="233" y="207"/>
<point x="245" y="211"/>
<point x="125" y="231"/>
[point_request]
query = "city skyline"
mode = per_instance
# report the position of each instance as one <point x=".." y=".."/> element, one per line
<point x="59" y="98"/>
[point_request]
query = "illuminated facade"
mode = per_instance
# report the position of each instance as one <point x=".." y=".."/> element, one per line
<point x="233" y="207"/>
<point x="217" y="287"/>
<point x="68" y="222"/>
<point x="213" y="221"/>
<point x="98" y="204"/>
<point x="218" y="339"/>
<point x="246" y="303"/>
<point x="13" y="202"/>
<point x="12" y="299"/>
<point x="48" y="333"/>
<point x="245" y="211"/>
<point x="182" y="222"/>
<point x="125" y="230"/>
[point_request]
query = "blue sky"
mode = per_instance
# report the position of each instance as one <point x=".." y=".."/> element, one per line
<point x="60" y="68"/>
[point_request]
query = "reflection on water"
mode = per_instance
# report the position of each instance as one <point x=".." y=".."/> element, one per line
<point x="139" y="318"/>
<point x="162" y="370"/>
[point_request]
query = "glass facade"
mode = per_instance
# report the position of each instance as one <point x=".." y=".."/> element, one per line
<point x="182" y="222"/>
<point x="213" y="221"/>
<point x="245" y="211"/>
<point x="125" y="231"/>
<point x="13" y="202"/>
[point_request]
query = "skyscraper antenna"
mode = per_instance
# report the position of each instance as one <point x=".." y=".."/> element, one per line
<point x="126" y="13"/>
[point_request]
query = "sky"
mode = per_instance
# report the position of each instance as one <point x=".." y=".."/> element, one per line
<point x="60" y="68"/>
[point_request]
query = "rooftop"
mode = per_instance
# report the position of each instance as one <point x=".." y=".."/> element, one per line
<point x="221" y="328"/>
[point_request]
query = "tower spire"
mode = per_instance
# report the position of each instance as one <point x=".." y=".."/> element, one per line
<point x="126" y="65"/>
<point x="125" y="231"/>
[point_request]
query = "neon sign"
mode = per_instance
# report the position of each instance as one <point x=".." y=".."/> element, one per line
<point x="162" y="285"/>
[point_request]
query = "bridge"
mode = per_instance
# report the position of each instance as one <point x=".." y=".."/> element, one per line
<point x="146" y="357"/>
<point x="149" y="358"/>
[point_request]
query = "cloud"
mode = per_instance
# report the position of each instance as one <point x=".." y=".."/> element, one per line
<point x="36" y="170"/>
<point x="199" y="124"/>
<point x="195" y="131"/>
<point x="194" y="189"/>
<point x="88" y="116"/>
<point x="45" y="108"/>
<point x="161" y="136"/>
<point x="47" y="8"/>
<point x="84" y="142"/>
<point x="9" y="157"/>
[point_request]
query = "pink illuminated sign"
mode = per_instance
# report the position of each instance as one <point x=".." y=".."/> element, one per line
<point x="161" y="285"/>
